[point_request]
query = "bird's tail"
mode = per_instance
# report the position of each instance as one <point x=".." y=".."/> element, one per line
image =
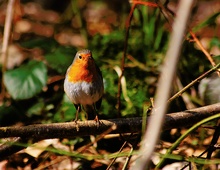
<point x="91" y="111"/>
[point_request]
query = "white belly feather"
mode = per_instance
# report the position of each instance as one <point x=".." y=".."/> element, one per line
<point x="82" y="92"/>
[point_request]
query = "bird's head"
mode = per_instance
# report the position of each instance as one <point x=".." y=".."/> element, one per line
<point x="84" y="58"/>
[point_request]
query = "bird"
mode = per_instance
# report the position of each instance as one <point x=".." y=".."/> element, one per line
<point x="83" y="84"/>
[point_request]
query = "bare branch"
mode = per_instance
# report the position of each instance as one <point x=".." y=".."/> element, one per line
<point x="85" y="128"/>
<point x="90" y="127"/>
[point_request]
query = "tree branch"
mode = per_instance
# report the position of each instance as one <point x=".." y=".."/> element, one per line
<point x="125" y="125"/>
<point x="85" y="128"/>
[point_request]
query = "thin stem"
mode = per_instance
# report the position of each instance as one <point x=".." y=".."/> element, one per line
<point x="193" y="82"/>
<point x="6" y="38"/>
<point x="202" y="48"/>
<point x="180" y="139"/>
<point x="165" y="83"/>
<point x="123" y="58"/>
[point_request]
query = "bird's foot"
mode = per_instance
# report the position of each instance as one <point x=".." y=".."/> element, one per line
<point x="75" y="120"/>
<point x="97" y="120"/>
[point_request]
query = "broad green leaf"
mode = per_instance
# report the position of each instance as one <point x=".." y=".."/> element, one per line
<point x="26" y="81"/>
<point x="61" y="58"/>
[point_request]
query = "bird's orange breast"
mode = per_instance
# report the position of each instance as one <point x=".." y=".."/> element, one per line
<point x="79" y="73"/>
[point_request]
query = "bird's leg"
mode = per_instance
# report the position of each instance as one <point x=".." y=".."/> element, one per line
<point x="96" y="118"/>
<point x="78" y="109"/>
<point x="96" y="115"/>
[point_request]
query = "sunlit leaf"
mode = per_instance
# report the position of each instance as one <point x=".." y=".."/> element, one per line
<point x="26" y="81"/>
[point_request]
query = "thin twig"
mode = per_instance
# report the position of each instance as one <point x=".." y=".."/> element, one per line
<point x="193" y="82"/>
<point x="6" y="38"/>
<point x="183" y="136"/>
<point x="195" y="39"/>
<point x="128" y="159"/>
<point x="83" y="148"/>
<point x="166" y="12"/>
<point x="211" y="147"/>
<point x="114" y="159"/>
<point x="202" y="48"/>
<point x="128" y="23"/>
<point x="138" y="2"/>
<point x="165" y="83"/>
<point x="214" y="141"/>
<point x="123" y="58"/>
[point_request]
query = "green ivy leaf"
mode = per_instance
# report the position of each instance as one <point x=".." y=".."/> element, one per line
<point x="26" y="81"/>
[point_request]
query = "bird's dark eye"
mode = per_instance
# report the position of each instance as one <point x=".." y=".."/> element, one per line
<point x="80" y="57"/>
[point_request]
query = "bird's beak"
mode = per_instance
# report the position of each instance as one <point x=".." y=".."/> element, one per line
<point x="87" y="56"/>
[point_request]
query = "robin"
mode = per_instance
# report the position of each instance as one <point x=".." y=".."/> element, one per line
<point x="83" y="84"/>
